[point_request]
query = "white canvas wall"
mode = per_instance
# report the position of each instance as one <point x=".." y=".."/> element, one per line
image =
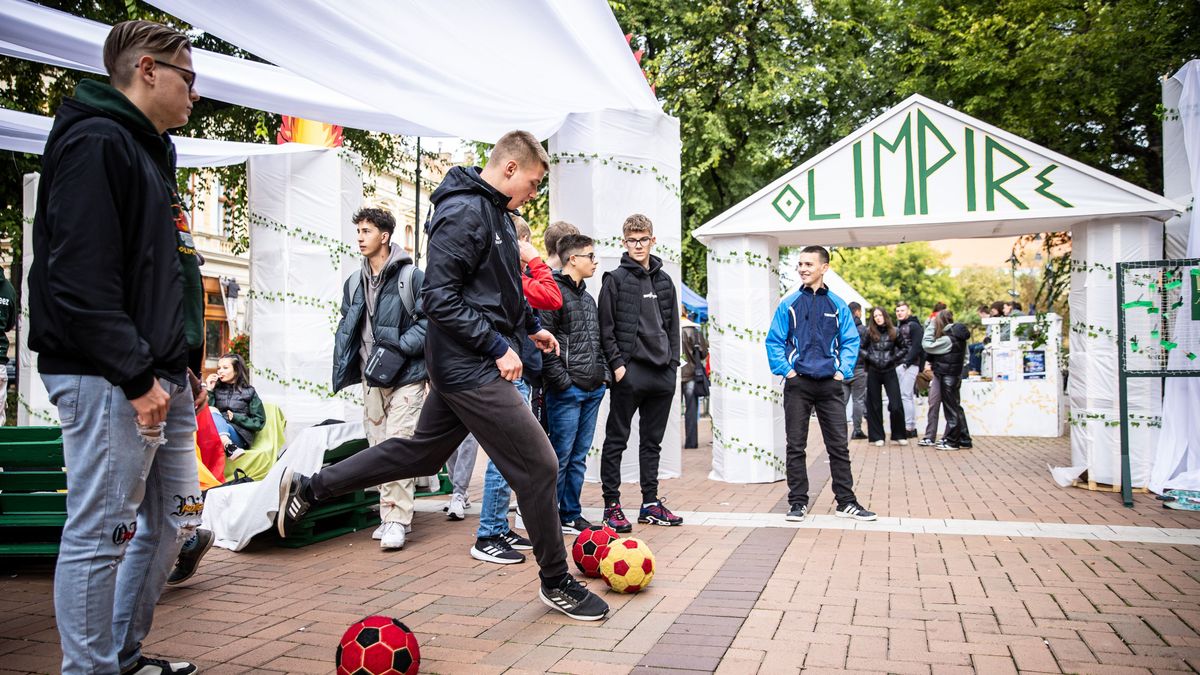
<point x="33" y="403"/>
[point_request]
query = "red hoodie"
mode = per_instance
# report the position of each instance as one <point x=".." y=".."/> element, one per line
<point x="539" y="286"/>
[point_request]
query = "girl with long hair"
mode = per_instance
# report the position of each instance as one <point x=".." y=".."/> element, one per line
<point x="882" y="351"/>
<point x="236" y="408"/>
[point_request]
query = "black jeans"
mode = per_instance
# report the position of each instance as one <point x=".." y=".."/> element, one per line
<point x="956" y="432"/>
<point x="800" y="396"/>
<point x="889" y="381"/>
<point x="498" y="417"/>
<point x="647" y="390"/>
<point x="691" y="416"/>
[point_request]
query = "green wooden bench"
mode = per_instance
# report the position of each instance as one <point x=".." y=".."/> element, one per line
<point x="33" y="491"/>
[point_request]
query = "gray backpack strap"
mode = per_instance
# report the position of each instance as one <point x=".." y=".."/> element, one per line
<point x="408" y="288"/>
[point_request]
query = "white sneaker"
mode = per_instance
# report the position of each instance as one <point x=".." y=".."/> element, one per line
<point x="378" y="533"/>
<point x="903" y="441"/>
<point x="392" y="537"/>
<point x="518" y="521"/>
<point x="879" y="444"/>
<point x="456" y="510"/>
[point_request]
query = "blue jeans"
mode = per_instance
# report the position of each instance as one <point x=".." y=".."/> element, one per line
<point x="132" y="499"/>
<point x="226" y="427"/>
<point x="572" y="417"/>
<point x="493" y="512"/>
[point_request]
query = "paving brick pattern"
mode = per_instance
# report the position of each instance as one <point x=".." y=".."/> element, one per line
<point x="837" y="600"/>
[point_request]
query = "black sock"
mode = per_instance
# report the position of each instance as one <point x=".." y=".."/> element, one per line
<point x="553" y="582"/>
<point x="307" y="492"/>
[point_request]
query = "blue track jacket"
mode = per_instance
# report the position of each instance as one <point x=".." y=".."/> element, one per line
<point x="814" y="335"/>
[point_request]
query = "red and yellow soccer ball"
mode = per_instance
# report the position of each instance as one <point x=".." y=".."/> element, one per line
<point x="628" y="566"/>
<point x="378" y="645"/>
<point x="590" y="547"/>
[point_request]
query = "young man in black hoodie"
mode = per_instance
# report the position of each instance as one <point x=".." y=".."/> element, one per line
<point x="639" y="332"/>
<point x="115" y="313"/>
<point x="476" y="310"/>
<point x="906" y="372"/>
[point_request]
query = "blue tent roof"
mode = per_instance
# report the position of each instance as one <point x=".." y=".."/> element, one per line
<point x="696" y="305"/>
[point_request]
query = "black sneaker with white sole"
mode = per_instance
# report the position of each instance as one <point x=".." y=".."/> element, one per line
<point x="189" y="556"/>
<point x="574" y="599"/>
<point x="148" y="666"/>
<point x="576" y="526"/>
<point x="517" y="541"/>
<point x="495" y="550"/>
<point x="292" y="503"/>
<point x="854" y="510"/>
<point x="797" y="513"/>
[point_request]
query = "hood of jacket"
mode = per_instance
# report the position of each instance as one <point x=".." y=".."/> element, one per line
<point x="397" y="257"/>
<point x="465" y="180"/>
<point x="97" y="99"/>
<point x="634" y="266"/>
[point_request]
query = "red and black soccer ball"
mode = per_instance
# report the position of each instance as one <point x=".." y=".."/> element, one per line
<point x="590" y="546"/>
<point x="378" y="645"/>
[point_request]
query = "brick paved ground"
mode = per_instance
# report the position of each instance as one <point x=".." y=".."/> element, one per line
<point x="737" y="600"/>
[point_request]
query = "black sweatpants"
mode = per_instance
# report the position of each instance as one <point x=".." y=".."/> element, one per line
<point x="648" y="390"/>
<point x="498" y="417"/>
<point x="891" y="383"/>
<point x="800" y="395"/>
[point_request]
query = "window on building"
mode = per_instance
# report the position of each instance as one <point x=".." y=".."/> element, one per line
<point x="216" y="325"/>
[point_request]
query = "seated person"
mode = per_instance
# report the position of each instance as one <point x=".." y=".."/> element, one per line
<point x="236" y="409"/>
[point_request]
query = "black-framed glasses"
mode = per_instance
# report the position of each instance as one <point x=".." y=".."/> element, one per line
<point x="639" y="243"/>
<point x="590" y="256"/>
<point x="189" y="76"/>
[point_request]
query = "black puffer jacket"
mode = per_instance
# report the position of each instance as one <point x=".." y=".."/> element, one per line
<point x="393" y="323"/>
<point x="621" y="298"/>
<point x="577" y="326"/>
<point x="951" y="363"/>
<point x="912" y="331"/>
<point x="883" y="354"/>
<point x="472" y="295"/>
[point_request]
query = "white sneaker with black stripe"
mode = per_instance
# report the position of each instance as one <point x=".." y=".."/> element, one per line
<point x="854" y="510"/>
<point x="574" y="599"/>
<point x="148" y="666"/>
<point x="495" y="550"/>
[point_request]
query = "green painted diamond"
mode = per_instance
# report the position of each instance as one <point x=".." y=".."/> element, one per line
<point x="788" y="203"/>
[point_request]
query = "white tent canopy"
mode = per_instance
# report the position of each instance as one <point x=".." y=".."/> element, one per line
<point x="473" y="71"/>
<point x="22" y="132"/>
<point x="956" y="177"/>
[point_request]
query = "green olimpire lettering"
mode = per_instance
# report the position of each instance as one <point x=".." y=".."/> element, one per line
<point x="858" y="181"/>
<point x="969" y="152"/>
<point x="924" y="171"/>
<point x="992" y="185"/>
<point x="905" y="137"/>
<point x="812" y="200"/>
<point x="1044" y="188"/>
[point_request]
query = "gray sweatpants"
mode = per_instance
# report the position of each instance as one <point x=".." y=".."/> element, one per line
<point x="461" y="465"/>
<point x="935" y="404"/>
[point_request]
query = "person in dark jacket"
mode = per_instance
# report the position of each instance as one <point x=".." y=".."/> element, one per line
<point x="116" y="315"/>
<point x="813" y="344"/>
<point x="575" y="378"/>
<point x="8" y="321"/>
<point x="695" y="350"/>
<point x="476" y="310"/>
<point x="639" y="332"/>
<point x="946" y="352"/>
<point x="883" y="350"/>
<point x="906" y="371"/>
<point x="237" y="411"/>
<point x="854" y="389"/>
<point x="381" y="304"/>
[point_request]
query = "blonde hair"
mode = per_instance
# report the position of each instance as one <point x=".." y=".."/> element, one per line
<point x="523" y="231"/>
<point x="554" y="232"/>
<point x="637" y="223"/>
<point x="522" y="148"/>
<point x="129" y="41"/>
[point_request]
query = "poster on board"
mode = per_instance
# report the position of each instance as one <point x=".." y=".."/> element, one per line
<point x="1033" y="364"/>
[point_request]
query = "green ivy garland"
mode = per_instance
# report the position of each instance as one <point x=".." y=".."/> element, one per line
<point x="37" y="413"/>
<point x="670" y="253"/>
<point x="1092" y="331"/>
<point x="307" y="386"/>
<point x="755" y="451"/>
<point x="333" y="307"/>
<point x="618" y="164"/>
<point x="759" y="391"/>
<point x="337" y="248"/>
<point x="749" y="334"/>
<point x="746" y="258"/>
<point x="1087" y="267"/>
<point x="1077" y="418"/>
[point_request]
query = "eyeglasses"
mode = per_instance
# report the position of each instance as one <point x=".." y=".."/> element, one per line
<point x="189" y="76"/>
<point x="638" y="243"/>
<point x="590" y="256"/>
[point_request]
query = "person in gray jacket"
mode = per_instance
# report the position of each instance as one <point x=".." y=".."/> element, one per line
<point x="381" y="305"/>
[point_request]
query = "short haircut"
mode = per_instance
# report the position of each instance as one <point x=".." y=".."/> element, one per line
<point x="939" y="306"/>
<point x="554" y="232"/>
<point x="523" y="231"/>
<point x="901" y="304"/>
<point x="821" y="252"/>
<point x="380" y="218"/>
<point x="855" y="307"/>
<point x="983" y="309"/>
<point x="522" y="148"/>
<point x="1017" y="306"/>
<point x="129" y="41"/>
<point x="571" y="244"/>
<point x="637" y="223"/>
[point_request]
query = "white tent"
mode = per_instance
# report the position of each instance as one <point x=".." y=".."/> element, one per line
<point x="561" y="70"/>
<point x="923" y="171"/>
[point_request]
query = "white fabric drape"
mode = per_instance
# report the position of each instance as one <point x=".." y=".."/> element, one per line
<point x="1177" y="462"/>
<point x="22" y="132"/>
